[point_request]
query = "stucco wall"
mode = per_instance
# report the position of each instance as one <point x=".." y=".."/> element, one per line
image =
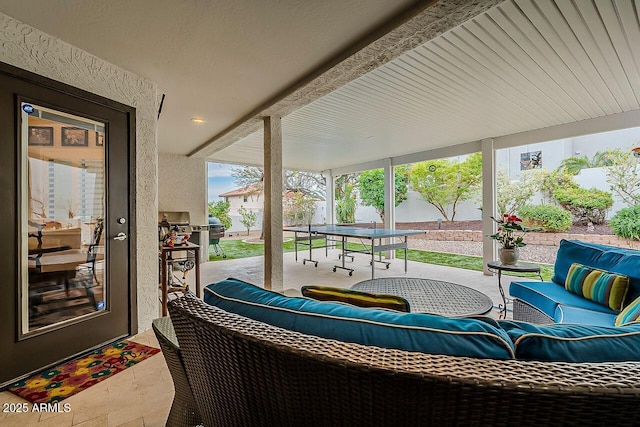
<point x="182" y="186"/>
<point x="31" y="49"/>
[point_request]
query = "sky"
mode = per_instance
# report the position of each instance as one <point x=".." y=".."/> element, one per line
<point x="219" y="180"/>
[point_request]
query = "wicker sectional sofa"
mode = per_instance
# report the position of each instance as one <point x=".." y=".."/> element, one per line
<point x="233" y="370"/>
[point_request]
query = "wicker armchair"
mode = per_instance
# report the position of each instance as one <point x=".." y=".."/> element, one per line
<point x="247" y="373"/>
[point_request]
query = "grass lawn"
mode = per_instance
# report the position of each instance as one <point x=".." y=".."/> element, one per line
<point x="464" y="261"/>
<point x="235" y="249"/>
<point x="238" y="249"/>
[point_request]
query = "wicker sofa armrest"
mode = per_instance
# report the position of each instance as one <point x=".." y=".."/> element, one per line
<point x="184" y="412"/>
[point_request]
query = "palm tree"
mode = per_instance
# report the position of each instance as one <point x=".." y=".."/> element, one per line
<point x="573" y="165"/>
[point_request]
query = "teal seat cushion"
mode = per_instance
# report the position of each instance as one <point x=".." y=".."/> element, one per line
<point x="621" y="261"/>
<point x="574" y="343"/>
<point x="420" y="332"/>
<point x="546" y="296"/>
<point x="569" y="314"/>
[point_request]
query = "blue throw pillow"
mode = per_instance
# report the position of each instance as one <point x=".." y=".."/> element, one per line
<point x="420" y="332"/>
<point x="574" y="343"/>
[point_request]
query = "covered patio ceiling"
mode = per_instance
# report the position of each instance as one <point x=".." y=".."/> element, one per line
<point x="535" y="68"/>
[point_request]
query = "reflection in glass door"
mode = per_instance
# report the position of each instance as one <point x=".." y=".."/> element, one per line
<point x="62" y="212"/>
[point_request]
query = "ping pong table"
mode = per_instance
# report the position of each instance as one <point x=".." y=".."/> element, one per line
<point x="306" y="234"/>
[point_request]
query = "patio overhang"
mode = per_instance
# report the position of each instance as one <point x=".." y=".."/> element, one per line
<point x="482" y="76"/>
<point x="453" y="75"/>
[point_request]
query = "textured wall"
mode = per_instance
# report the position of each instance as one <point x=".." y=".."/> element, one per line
<point x="31" y="49"/>
<point x="182" y="186"/>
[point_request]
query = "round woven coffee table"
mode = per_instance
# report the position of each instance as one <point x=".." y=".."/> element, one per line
<point x="430" y="296"/>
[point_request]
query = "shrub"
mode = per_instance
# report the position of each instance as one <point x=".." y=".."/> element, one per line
<point x="555" y="180"/>
<point x="586" y="206"/>
<point x="626" y="223"/>
<point x="548" y="217"/>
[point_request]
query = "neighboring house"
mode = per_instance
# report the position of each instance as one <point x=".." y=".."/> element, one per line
<point x="250" y="197"/>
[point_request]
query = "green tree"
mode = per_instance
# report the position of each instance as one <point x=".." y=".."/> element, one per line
<point x="292" y="181"/>
<point x="220" y="210"/>
<point x="298" y="207"/>
<point x="444" y="183"/>
<point x="371" y="186"/>
<point x="249" y="218"/>
<point x="513" y="195"/>
<point x="346" y="205"/>
<point x="624" y="177"/>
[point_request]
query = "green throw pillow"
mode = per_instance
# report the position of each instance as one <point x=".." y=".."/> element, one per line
<point x="603" y="287"/>
<point x="357" y="298"/>
<point x="630" y="314"/>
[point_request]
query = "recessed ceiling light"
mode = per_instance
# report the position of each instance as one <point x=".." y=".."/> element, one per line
<point x="198" y="121"/>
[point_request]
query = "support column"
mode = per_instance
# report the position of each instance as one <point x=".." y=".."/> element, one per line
<point x="488" y="202"/>
<point x="389" y="201"/>
<point x="273" y="264"/>
<point x="330" y="197"/>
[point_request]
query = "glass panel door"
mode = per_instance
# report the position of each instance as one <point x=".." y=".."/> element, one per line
<point x="62" y="219"/>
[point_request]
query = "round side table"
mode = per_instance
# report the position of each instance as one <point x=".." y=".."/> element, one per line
<point x="520" y="267"/>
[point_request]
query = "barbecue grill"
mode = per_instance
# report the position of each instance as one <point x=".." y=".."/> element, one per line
<point x="180" y="222"/>
<point x="216" y="231"/>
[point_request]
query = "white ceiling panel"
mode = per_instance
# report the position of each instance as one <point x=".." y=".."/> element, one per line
<point x="523" y="65"/>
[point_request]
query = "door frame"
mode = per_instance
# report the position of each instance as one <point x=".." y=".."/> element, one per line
<point x="130" y="112"/>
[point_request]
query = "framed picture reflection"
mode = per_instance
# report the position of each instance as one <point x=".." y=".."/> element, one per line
<point x="41" y="135"/>
<point x="75" y="137"/>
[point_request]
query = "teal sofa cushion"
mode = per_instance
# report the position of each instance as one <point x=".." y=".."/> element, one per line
<point x="420" y="332"/>
<point x="574" y="251"/>
<point x="546" y="296"/>
<point x="621" y="261"/>
<point x="574" y="343"/>
<point x="569" y="314"/>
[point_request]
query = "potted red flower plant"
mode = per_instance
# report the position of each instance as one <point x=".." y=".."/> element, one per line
<point x="510" y="235"/>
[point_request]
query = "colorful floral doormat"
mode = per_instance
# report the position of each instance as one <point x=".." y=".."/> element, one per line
<point x="62" y="381"/>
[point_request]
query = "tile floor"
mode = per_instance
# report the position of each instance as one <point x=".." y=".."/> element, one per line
<point x="138" y="396"/>
<point x="142" y="395"/>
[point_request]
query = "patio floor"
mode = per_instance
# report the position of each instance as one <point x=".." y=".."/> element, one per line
<point x="142" y="395"/>
<point x="296" y="274"/>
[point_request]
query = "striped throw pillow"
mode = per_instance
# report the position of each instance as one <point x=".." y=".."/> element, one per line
<point x="357" y="298"/>
<point x="630" y="314"/>
<point x="603" y="287"/>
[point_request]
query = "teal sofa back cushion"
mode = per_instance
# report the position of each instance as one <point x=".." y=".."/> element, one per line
<point x="574" y="343"/>
<point x="621" y="261"/>
<point x="420" y="332"/>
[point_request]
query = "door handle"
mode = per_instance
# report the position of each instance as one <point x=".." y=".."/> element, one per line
<point x="120" y="236"/>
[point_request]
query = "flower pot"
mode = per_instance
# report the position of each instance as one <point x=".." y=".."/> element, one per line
<point x="509" y="256"/>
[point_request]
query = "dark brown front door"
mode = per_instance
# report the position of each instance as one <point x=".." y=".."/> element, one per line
<point x="66" y="213"/>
